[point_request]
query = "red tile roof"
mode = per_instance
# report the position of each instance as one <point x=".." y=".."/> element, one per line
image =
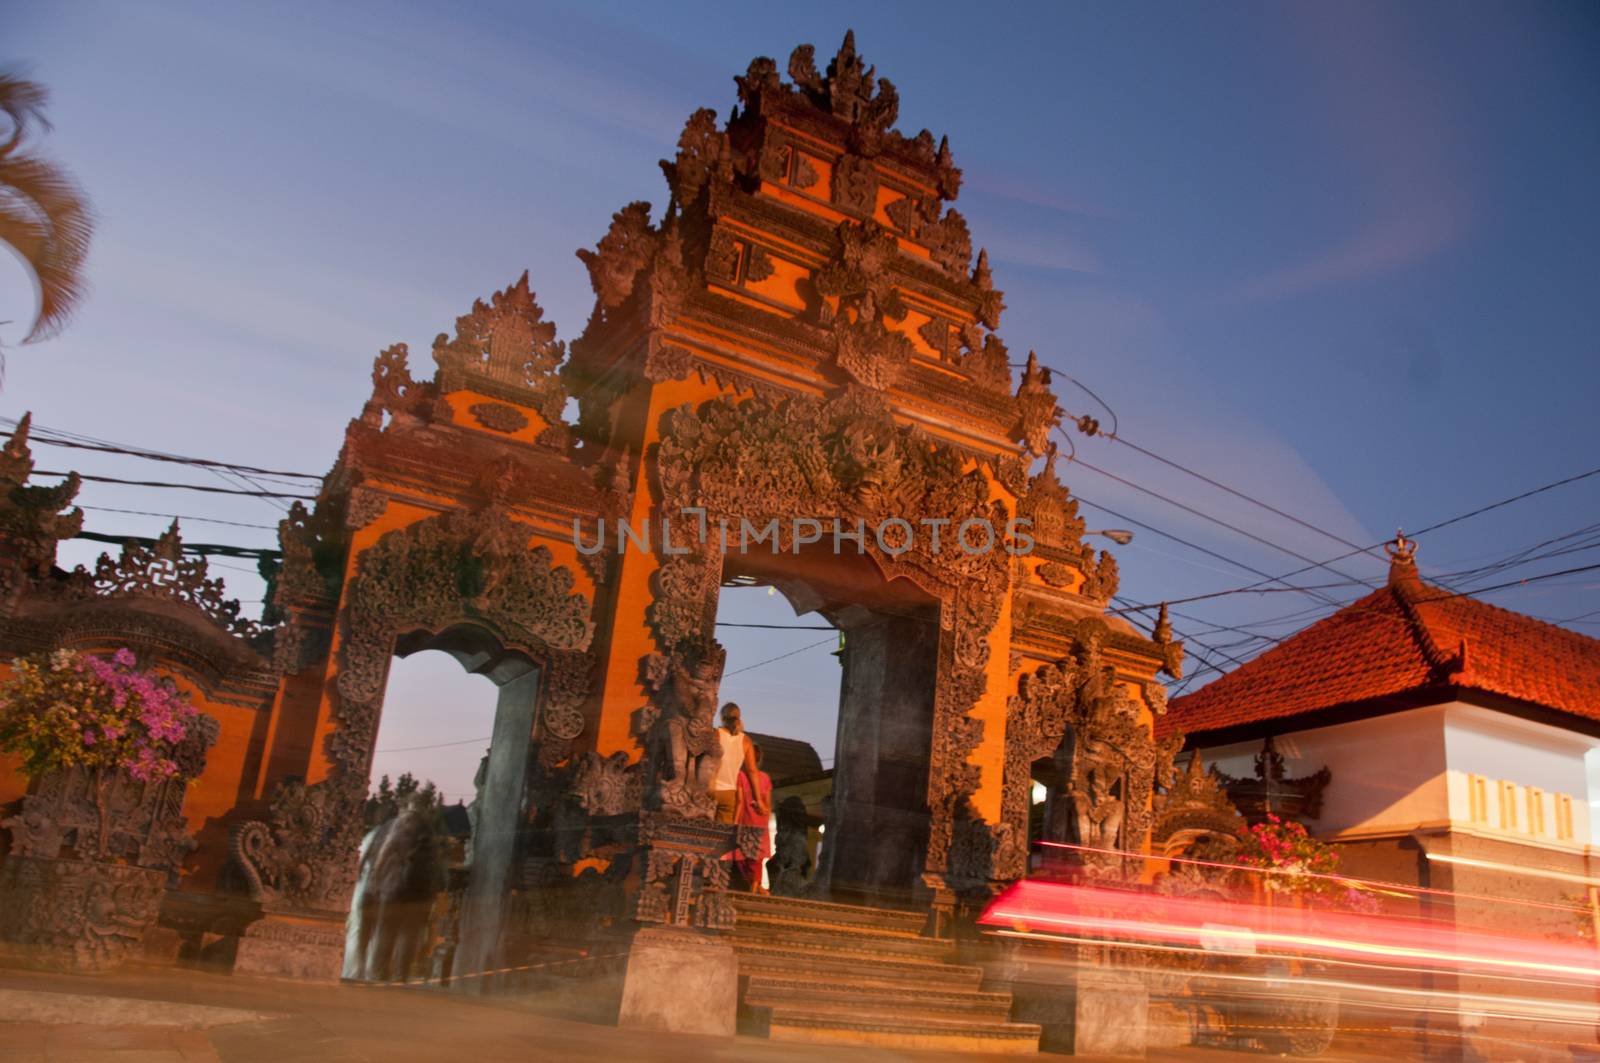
<point x="1405" y="637"/>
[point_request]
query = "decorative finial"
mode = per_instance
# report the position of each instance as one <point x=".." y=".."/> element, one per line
<point x="1163" y="628"/>
<point x="981" y="275"/>
<point x="1401" y="550"/>
<point x="1402" y="565"/>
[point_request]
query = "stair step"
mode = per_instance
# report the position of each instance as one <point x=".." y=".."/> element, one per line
<point x="775" y="991"/>
<point x="803" y="937"/>
<point x="827" y="913"/>
<point x="830" y="1027"/>
<point x="841" y="965"/>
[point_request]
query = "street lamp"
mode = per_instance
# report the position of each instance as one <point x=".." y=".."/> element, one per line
<point x="1120" y="536"/>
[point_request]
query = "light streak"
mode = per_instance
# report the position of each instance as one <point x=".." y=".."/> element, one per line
<point x="1539" y="1008"/>
<point x="1295" y="931"/>
<point x="1516" y="869"/>
<point x="1376" y="885"/>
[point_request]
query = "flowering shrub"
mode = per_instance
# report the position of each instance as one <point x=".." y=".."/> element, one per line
<point x="71" y="710"/>
<point x="1285" y="848"/>
<point x="1301" y="865"/>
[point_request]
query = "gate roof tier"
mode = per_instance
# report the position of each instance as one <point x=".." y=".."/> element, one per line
<point x="805" y="246"/>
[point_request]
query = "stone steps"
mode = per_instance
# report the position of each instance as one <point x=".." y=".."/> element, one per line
<point x="853" y="965"/>
<point x="777" y="991"/>
<point x="754" y="907"/>
<point x="816" y="972"/>
<point x="808" y="936"/>
<point x="967" y="1035"/>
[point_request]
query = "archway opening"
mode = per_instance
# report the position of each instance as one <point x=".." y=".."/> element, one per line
<point x="860" y="697"/>
<point x="444" y="812"/>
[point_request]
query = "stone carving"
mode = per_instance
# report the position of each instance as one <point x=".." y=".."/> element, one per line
<point x="704" y="159"/>
<point x="363" y="507"/>
<point x="304" y="855"/>
<point x="985" y="359"/>
<point x="857" y="275"/>
<point x="1272" y="792"/>
<point x="622" y="252"/>
<point x="855" y="185"/>
<point x="849" y="90"/>
<point x="685" y="877"/>
<point x="505" y="348"/>
<point x="77" y="916"/>
<point x="1037" y="412"/>
<point x="1051" y="509"/>
<point x="722" y="257"/>
<point x="681" y="735"/>
<point x="408" y="402"/>
<point x="667" y="361"/>
<point x="759" y="265"/>
<point x="991" y="301"/>
<point x="1194" y="815"/>
<point x="498" y="417"/>
<point x="789" y="870"/>
<point x="950" y="243"/>
<point x="162" y="570"/>
<point x="606" y="786"/>
<point x="938" y="333"/>
<point x="1171" y="650"/>
<point x="1106" y="763"/>
<point x="147" y="825"/>
<point x="460" y="567"/>
<point x="1101" y="579"/>
<point x="31" y="517"/>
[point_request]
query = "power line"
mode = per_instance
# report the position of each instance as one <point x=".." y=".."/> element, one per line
<point x="183" y="487"/>
<point x="177" y="516"/>
<point x="1206" y="516"/>
<point x="59" y="438"/>
<point x="217" y="549"/>
<point x="1260" y="588"/>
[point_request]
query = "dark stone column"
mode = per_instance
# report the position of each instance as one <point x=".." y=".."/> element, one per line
<point x="877" y="835"/>
<point x="494" y="840"/>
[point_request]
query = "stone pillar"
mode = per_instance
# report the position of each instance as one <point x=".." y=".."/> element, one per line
<point x="494" y="841"/>
<point x="878" y="828"/>
<point x="683" y="975"/>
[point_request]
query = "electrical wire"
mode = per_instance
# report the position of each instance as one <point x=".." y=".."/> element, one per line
<point x="183" y="487"/>
<point x="176" y="516"/>
<point x="56" y="438"/>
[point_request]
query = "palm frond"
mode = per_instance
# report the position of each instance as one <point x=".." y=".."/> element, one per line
<point x="46" y="217"/>
<point x="23" y="103"/>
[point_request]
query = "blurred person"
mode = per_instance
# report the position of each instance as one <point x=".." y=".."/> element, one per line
<point x="736" y="761"/>
<point x="755" y="810"/>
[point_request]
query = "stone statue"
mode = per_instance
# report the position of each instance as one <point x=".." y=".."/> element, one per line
<point x="1096" y="801"/>
<point x="688" y="753"/>
<point x="789" y="870"/>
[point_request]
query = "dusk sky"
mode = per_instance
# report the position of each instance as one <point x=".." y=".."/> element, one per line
<point x="1342" y="258"/>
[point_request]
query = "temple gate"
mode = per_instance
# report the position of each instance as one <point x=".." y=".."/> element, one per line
<point x="800" y="342"/>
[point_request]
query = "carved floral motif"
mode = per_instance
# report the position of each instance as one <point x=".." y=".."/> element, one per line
<point x="498" y="417"/>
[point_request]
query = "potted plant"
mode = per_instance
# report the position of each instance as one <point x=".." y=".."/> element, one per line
<point x="112" y="747"/>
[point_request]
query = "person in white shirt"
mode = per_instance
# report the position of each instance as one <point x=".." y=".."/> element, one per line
<point x="736" y="757"/>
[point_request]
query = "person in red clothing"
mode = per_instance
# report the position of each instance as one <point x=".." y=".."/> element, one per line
<point x="754" y="809"/>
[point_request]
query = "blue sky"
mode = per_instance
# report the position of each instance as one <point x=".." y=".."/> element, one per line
<point x="1342" y="257"/>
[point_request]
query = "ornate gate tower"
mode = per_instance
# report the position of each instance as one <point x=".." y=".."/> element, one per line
<point x="791" y="375"/>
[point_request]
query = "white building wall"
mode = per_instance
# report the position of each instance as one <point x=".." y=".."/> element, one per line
<point x="1389" y="772"/>
<point x="1455" y="766"/>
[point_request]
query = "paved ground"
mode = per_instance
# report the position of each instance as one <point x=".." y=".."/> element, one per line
<point x="174" y="1016"/>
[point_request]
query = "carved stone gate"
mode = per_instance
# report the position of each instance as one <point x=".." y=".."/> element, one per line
<point x="802" y="339"/>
